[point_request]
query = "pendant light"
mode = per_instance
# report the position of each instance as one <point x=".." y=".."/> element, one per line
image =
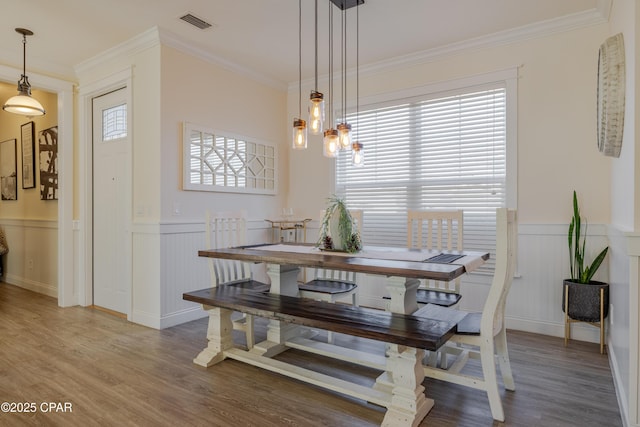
<point x="23" y="103"/>
<point x="299" y="125"/>
<point x="344" y="128"/>
<point x="330" y="142"/>
<point x="357" y="153"/>
<point x="316" y="100"/>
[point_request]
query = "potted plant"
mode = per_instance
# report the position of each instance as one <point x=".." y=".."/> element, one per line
<point x="337" y="229"/>
<point x="584" y="293"/>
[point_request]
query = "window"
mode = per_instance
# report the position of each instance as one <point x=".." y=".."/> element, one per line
<point x="114" y="121"/>
<point x="214" y="161"/>
<point x="443" y="150"/>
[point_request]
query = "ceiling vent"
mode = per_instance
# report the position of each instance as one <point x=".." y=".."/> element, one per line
<point x="195" y="21"/>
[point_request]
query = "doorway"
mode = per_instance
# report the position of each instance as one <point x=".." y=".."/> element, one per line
<point x="111" y="202"/>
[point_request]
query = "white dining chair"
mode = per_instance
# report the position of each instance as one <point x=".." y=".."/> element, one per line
<point x="223" y="230"/>
<point x="438" y="230"/>
<point x="483" y="335"/>
<point x="332" y="285"/>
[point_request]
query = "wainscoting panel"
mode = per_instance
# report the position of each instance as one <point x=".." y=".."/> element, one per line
<point x="182" y="270"/>
<point x="32" y="260"/>
<point x="534" y="303"/>
<point x="535" y="300"/>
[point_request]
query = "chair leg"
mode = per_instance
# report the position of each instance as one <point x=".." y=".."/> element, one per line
<point x="490" y="379"/>
<point x="567" y="324"/>
<point x="503" y="359"/>
<point x="601" y="320"/>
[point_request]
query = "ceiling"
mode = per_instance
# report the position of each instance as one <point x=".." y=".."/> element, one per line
<point x="262" y="35"/>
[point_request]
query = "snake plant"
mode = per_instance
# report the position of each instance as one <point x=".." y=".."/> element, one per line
<point x="581" y="272"/>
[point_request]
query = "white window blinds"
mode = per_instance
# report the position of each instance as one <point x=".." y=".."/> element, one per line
<point x="431" y="152"/>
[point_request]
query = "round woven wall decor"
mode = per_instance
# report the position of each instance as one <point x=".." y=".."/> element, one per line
<point x="611" y="95"/>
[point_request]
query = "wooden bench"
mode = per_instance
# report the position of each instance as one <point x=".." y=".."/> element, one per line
<point x="402" y="329"/>
<point x="398" y="388"/>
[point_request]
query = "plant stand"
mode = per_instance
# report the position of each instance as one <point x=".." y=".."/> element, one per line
<point x="596" y="322"/>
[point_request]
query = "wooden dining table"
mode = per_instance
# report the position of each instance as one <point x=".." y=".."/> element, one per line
<point x="402" y="268"/>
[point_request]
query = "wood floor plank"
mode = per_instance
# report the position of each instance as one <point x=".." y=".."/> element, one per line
<point x="117" y="373"/>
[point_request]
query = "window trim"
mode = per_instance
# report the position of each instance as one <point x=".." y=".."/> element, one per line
<point x="506" y="79"/>
<point x="508" y="76"/>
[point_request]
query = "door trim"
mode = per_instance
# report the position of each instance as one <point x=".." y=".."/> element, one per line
<point x="67" y="289"/>
<point x="122" y="79"/>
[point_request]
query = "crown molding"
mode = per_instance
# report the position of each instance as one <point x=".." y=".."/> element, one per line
<point x="160" y="36"/>
<point x="139" y="43"/>
<point x="596" y="16"/>
<point x="171" y="39"/>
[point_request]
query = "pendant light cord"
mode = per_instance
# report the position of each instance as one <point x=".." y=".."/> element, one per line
<point x="24" y="54"/>
<point x="330" y="66"/>
<point x="316" y="65"/>
<point x="300" y="59"/>
<point x="357" y="72"/>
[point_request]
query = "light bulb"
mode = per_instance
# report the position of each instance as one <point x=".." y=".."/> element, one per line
<point x="316" y="112"/>
<point x="299" y="134"/>
<point x="357" y="155"/>
<point x="330" y="146"/>
<point x="344" y="135"/>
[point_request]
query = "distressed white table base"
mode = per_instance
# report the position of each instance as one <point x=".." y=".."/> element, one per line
<point x="405" y="402"/>
<point x="400" y="387"/>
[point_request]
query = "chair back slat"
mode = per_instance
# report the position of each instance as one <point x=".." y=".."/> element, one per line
<point x="224" y="230"/>
<point x="436" y="230"/>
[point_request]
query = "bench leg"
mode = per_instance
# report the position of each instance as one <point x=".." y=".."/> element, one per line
<point x="408" y="403"/>
<point x="219" y="334"/>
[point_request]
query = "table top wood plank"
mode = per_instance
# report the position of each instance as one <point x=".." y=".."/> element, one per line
<point x="386" y="267"/>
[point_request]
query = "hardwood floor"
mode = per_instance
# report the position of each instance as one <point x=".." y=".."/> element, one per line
<point x="112" y="372"/>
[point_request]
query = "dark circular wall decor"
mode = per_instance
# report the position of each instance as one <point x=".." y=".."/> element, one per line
<point x="611" y="95"/>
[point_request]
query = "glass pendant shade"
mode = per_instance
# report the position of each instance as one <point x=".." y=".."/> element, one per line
<point x="299" y="134"/>
<point x="316" y="113"/>
<point x="23" y="104"/>
<point x="330" y="145"/>
<point x="344" y="136"/>
<point x="357" y="154"/>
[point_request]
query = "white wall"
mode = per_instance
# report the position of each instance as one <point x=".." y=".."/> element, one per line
<point x="625" y="222"/>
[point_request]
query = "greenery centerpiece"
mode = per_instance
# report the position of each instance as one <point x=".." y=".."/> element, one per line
<point x="584" y="292"/>
<point x="337" y="230"/>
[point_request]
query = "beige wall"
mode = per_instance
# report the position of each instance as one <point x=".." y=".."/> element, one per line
<point x="211" y="96"/>
<point x="556" y="123"/>
<point x="28" y="205"/>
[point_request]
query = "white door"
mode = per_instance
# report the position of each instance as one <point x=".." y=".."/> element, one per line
<point x="111" y="202"/>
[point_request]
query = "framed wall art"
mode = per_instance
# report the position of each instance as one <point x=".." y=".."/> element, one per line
<point x="8" y="170"/>
<point x="48" y="148"/>
<point x="27" y="139"/>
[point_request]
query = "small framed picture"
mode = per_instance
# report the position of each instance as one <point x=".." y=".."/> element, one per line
<point x="28" y="141"/>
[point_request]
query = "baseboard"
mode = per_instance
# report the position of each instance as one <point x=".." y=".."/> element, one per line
<point x="579" y="331"/>
<point x="623" y="399"/>
<point x="145" y="319"/>
<point x="32" y="285"/>
<point x="183" y="316"/>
